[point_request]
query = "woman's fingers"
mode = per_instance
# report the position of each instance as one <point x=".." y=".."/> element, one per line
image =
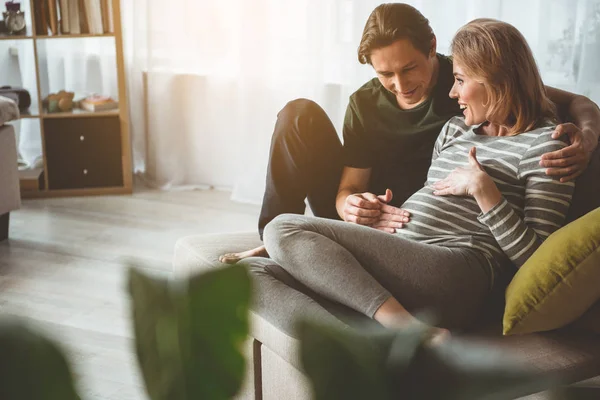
<point x="443" y="192"/>
<point x="388" y="230"/>
<point x="387" y="209"/>
<point x="360" y="220"/>
<point x="388" y="224"/>
<point x="473" y="159"/>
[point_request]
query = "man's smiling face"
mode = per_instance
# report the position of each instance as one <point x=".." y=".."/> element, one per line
<point x="405" y="71"/>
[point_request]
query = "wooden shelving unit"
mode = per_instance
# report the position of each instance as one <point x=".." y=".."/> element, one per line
<point x="80" y="125"/>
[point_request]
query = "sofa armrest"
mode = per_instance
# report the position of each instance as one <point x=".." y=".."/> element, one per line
<point x="10" y="196"/>
<point x="201" y="252"/>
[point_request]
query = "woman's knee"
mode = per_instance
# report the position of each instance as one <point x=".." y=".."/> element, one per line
<point x="280" y="229"/>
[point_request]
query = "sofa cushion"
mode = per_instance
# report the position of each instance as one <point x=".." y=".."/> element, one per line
<point x="559" y="282"/>
<point x="575" y="354"/>
<point x="201" y="252"/>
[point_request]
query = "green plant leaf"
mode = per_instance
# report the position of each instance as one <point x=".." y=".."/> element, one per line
<point x="461" y="370"/>
<point x="342" y="365"/>
<point x="218" y="304"/>
<point x="189" y="334"/>
<point x="32" y="366"/>
<point x="156" y="321"/>
<point x="386" y="364"/>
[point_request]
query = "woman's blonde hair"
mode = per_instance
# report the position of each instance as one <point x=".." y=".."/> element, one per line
<point x="497" y="54"/>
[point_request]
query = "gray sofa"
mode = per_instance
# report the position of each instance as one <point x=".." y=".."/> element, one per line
<point x="273" y="349"/>
<point x="10" y="198"/>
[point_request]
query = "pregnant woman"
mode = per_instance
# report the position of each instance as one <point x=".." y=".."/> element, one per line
<point x="486" y="206"/>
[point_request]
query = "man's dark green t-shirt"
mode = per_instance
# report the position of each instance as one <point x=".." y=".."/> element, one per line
<point x="397" y="144"/>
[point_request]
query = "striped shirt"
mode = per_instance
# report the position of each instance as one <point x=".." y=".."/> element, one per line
<point x="533" y="205"/>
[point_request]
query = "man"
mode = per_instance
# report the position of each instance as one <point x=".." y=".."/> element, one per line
<point x="390" y="127"/>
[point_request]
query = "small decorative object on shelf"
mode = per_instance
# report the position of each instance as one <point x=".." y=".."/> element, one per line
<point x="98" y="103"/>
<point x="59" y="102"/>
<point x="14" y="18"/>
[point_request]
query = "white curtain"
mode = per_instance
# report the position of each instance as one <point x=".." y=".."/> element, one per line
<point x="206" y="78"/>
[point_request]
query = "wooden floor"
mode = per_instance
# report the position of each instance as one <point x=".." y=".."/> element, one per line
<point x="63" y="270"/>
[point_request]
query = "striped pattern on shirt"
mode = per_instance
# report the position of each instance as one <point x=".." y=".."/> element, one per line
<point x="533" y="204"/>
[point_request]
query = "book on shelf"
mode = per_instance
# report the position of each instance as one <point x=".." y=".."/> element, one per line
<point x="74" y="24"/>
<point x="65" y="21"/>
<point x="74" y="17"/>
<point x="106" y="13"/>
<point x="109" y="12"/>
<point x="98" y="103"/>
<point x="53" y="16"/>
<point x="93" y="12"/>
<point x="83" y="19"/>
<point x="41" y="9"/>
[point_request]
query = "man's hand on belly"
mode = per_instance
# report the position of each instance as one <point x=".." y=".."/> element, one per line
<point x="391" y="218"/>
<point x="371" y="210"/>
<point x="362" y="209"/>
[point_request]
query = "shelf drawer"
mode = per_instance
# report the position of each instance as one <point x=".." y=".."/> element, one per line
<point x="83" y="152"/>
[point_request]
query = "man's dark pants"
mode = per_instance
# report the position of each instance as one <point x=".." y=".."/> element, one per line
<point x="305" y="162"/>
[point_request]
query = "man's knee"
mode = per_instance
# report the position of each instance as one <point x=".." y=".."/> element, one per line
<point x="300" y="108"/>
<point x="299" y="118"/>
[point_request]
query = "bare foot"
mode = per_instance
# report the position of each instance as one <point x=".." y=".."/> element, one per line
<point x="232" y="258"/>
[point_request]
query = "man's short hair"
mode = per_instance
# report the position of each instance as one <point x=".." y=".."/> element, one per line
<point x="391" y="22"/>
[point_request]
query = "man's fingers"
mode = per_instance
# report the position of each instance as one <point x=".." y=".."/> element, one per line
<point x="387" y="197"/>
<point x="561" y="162"/>
<point x="563" y="171"/>
<point x="370" y="197"/>
<point x="360" y="202"/>
<point x="569" y="151"/>
<point x="385" y="208"/>
<point x="564" y="128"/>
<point x="571" y="177"/>
<point x="362" y="212"/>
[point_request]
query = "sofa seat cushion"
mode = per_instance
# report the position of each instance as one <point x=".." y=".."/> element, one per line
<point x="575" y="354"/>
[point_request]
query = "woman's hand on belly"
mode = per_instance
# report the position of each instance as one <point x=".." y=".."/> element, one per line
<point x="472" y="181"/>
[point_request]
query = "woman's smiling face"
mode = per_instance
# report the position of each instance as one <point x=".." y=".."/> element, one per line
<point x="471" y="96"/>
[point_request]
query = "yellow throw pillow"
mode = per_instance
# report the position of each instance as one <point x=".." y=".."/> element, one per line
<point x="559" y="282"/>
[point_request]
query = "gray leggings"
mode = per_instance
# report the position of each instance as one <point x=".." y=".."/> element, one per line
<point x="360" y="267"/>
